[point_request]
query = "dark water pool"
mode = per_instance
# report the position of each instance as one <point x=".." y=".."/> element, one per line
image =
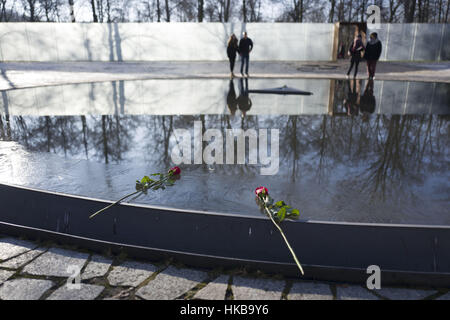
<point x="354" y="151"/>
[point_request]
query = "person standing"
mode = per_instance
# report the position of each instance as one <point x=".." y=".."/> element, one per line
<point x="355" y="51"/>
<point x="232" y="48"/>
<point x="245" y="47"/>
<point x="373" y="53"/>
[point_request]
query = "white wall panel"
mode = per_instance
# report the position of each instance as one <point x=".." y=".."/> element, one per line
<point x="14" y="42"/>
<point x="70" y="41"/>
<point x="414" y="41"/>
<point x="41" y="40"/>
<point x="205" y="41"/>
<point x="161" y="41"/>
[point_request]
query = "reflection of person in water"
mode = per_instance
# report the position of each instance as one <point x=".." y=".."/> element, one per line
<point x="231" y="99"/>
<point x="243" y="100"/>
<point x="352" y="101"/>
<point x="341" y="54"/>
<point x="368" y="101"/>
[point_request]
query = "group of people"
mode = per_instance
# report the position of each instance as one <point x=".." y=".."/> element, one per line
<point x="371" y="52"/>
<point x="243" y="47"/>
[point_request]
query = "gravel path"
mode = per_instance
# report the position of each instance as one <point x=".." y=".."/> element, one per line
<point x="32" y="271"/>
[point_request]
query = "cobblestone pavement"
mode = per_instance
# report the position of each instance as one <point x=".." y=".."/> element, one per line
<point x="31" y="270"/>
<point x="16" y="75"/>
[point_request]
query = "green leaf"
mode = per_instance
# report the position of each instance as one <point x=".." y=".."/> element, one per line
<point x="280" y="204"/>
<point x="146" y="179"/>
<point x="281" y="214"/>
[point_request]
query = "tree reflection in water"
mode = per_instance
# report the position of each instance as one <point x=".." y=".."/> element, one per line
<point x="388" y="146"/>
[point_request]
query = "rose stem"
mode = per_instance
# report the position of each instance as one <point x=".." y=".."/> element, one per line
<point x="129" y="195"/>
<point x="112" y="204"/>
<point x="285" y="240"/>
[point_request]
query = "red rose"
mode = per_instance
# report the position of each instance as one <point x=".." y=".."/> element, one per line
<point x="175" y="171"/>
<point x="262" y="190"/>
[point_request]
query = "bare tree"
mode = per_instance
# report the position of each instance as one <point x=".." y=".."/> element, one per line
<point x="200" y="13"/>
<point x="333" y="5"/>
<point x="255" y="10"/>
<point x="226" y="11"/>
<point x="72" y="14"/>
<point x="393" y="7"/>
<point x="48" y="7"/>
<point x="94" y="14"/>
<point x="31" y="6"/>
<point x="409" y="10"/>
<point x="167" y="11"/>
<point x="158" y="11"/>
<point x="446" y="13"/>
<point x="393" y="11"/>
<point x="3" y="16"/>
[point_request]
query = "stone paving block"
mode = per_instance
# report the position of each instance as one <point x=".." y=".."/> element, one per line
<point x="131" y="273"/>
<point x="171" y="283"/>
<point x="5" y="275"/>
<point x="404" y="293"/>
<point x="10" y="247"/>
<point x="97" y="267"/>
<point x="24" y="258"/>
<point x="257" y="289"/>
<point x="24" y="289"/>
<point x="215" y="290"/>
<point x="354" y="293"/>
<point x="310" y="291"/>
<point x="85" y="292"/>
<point x="57" y="262"/>
<point x="445" y="296"/>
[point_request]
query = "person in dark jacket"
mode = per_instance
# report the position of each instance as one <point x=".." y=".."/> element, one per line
<point x="232" y="48"/>
<point x="355" y="52"/>
<point x="245" y="47"/>
<point x="372" y="55"/>
<point x="243" y="100"/>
